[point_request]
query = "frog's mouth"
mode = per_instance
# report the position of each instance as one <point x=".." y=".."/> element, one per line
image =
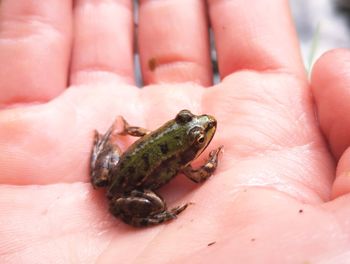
<point x="210" y="131"/>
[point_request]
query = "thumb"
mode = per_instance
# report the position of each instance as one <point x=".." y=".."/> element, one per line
<point x="330" y="84"/>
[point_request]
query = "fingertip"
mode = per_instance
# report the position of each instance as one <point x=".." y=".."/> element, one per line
<point x="329" y="67"/>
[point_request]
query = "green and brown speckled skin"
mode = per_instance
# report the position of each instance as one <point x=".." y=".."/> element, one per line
<point x="149" y="163"/>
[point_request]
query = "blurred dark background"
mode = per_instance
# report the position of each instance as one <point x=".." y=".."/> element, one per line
<point x="322" y="25"/>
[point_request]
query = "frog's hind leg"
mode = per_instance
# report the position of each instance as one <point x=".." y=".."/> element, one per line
<point x="132" y="130"/>
<point x="105" y="154"/>
<point x="153" y="219"/>
<point x="143" y="208"/>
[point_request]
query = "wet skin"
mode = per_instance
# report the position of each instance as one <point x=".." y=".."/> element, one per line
<point x="152" y="161"/>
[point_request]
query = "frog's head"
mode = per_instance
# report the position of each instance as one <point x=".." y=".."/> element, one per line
<point x="200" y="130"/>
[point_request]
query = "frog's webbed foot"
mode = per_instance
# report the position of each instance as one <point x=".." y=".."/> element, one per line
<point x="143" y="208"/>
<point x="204" y="172"/>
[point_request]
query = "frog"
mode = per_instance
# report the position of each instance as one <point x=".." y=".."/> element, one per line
<point x="132" y="178"/>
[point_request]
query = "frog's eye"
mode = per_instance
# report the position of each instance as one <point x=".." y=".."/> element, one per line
<point x="200" y="138"/>
<point x="183" y="117"/>
<point x="198" y="135"/>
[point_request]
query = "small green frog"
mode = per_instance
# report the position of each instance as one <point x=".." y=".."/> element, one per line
<point x="149" y="163"/>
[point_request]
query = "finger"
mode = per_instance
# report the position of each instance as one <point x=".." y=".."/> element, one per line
<point x="103" y="43"/>
<point x="173" y="41"/>
<point x="330" y="83"/>
<point x="255" y="35"/>
<point x="34" y="49"/>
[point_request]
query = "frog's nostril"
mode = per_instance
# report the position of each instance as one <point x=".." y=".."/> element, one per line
<point x="212" y="124"/>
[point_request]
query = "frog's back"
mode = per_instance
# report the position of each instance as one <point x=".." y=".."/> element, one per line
<point x="150" y="161"/>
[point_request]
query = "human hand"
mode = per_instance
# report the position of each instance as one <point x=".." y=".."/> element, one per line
<point x="269" y="199"/>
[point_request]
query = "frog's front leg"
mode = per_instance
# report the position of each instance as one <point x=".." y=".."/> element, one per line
<point x="143" y="208"/>
<point x="204" y="172"/>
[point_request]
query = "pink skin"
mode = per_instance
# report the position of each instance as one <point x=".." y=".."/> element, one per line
<point x="270" y="199"/>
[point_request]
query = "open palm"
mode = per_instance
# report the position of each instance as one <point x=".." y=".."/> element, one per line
<point x="268" y="201"/>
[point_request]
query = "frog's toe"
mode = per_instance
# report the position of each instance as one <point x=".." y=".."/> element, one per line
<point x="177" y="210"/>
<point x="144" y="221"/>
